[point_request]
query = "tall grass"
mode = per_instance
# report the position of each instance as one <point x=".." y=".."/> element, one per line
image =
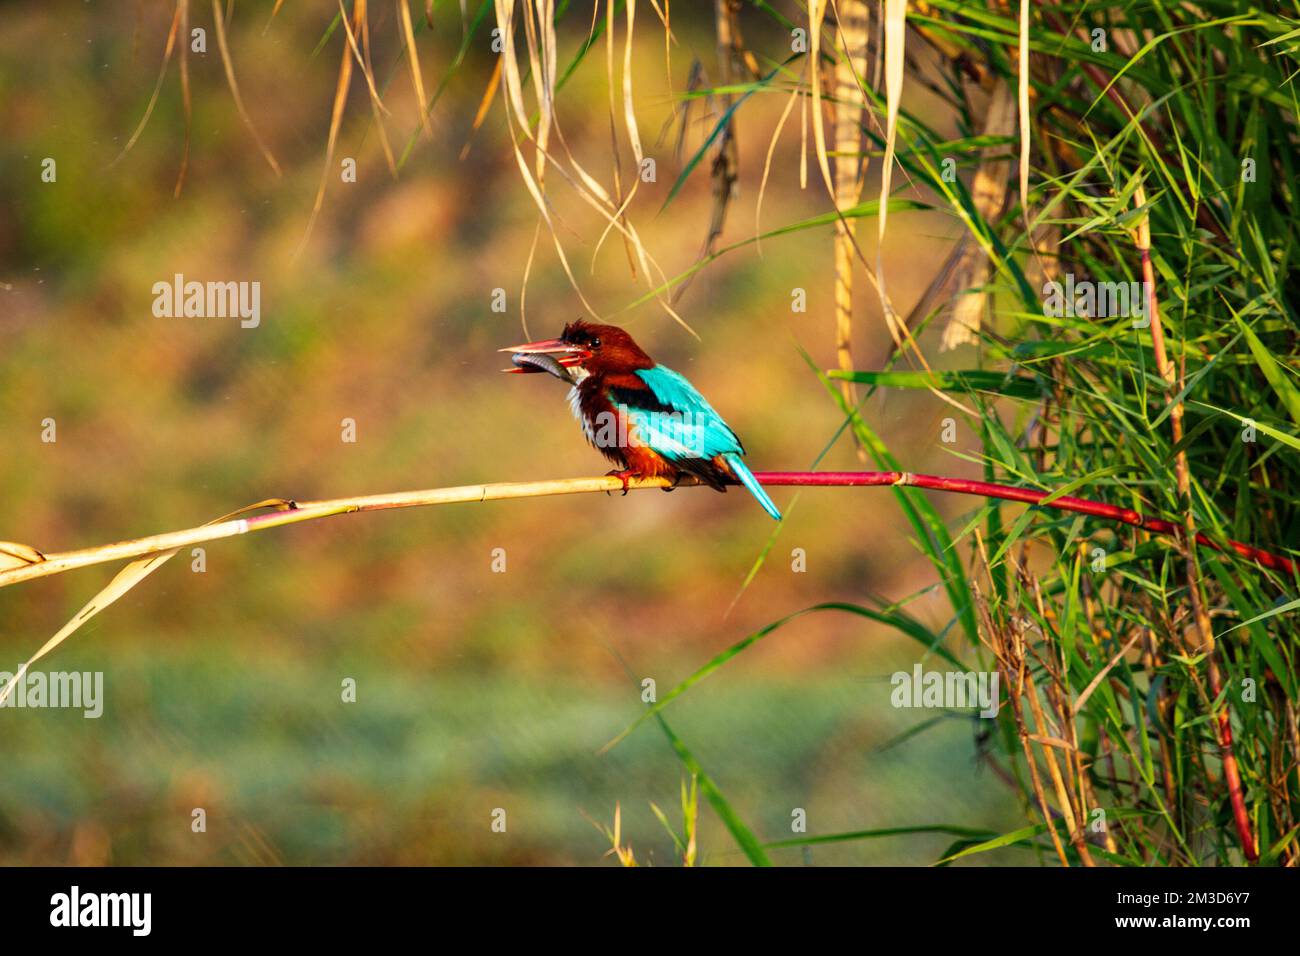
<point x="1165" y="157"/>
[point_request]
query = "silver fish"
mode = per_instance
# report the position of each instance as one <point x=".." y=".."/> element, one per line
<point x="530" y="362"/>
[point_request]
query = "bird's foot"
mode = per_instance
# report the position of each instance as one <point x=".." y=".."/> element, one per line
<point x="676" y="481"/>
<point x="623" y="476"/>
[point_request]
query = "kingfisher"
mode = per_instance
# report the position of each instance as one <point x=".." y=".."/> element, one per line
<point x="644" y="417"/>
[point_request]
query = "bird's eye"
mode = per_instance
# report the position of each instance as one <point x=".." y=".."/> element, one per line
<point x="595" y="343"/>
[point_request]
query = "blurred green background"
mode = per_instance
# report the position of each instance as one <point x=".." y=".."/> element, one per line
<point x="476" y="690"/>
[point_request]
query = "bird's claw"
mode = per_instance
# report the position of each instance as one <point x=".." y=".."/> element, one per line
<point x="623" y="476"/>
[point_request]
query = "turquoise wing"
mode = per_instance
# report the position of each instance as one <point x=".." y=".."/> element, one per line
<point x="680" y="424"/>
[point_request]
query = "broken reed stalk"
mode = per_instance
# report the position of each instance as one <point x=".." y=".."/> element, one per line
<point x="290" y="512"/>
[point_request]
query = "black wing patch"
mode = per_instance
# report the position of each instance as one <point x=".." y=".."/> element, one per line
<point x="641" y="399"/>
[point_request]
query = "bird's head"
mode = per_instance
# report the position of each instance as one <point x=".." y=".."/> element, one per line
<point x="584" y="349"/>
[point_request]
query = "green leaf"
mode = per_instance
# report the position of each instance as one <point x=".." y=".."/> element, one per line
<point x="1283" y="437"/>
<point x="1274" y="612"/>
<point x="969" y="380"/>
<point x="743" y="836"/>
<point x="1289" y="394"/>
<point x="896" y="619"/>
<point x="1023" y="835"/>
<point x="965" y="832"/>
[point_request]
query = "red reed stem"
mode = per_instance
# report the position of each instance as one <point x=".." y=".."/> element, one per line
<point x="1033" y="496"/>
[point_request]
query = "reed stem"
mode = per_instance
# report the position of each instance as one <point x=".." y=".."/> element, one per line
<point x="296" y="512"/>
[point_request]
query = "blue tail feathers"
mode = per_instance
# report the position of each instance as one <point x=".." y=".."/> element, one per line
<point x="747" y="479"/>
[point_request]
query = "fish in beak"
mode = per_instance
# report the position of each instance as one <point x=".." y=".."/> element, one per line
<point x="553" y="356"/>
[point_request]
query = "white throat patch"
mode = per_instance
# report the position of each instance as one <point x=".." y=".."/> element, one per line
<point x="575" y="406"/>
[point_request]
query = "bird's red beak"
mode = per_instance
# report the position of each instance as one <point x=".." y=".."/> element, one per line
<point x="566" y="354"/>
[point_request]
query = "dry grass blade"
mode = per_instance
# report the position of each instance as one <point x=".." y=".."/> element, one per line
<point x="162" y="73"/>
<point x="1101" y="675"/>
<point x="629" y="106"/>
<point x="515" y="103"/>
<point x="1072" y="823"/>
<point x="665" y="17"/>
<point x="362" y="56"/>
<point x="377" y="107"/>
<point x="417" y="79"/>
<point x="271" y="18"/>
<point x="489" y="94"/>
<point x="1008" y="647"/>
<point x="539" y="37"/>
<point x="587" y="187"/>
<point x="185" y="99"/>
<point x="523" y="283"/>
<point x="360" y="15"/>
<point x="895" y="39"/>
<point x="803" y="141"/>
<point x="539" y="199"/>
<point x="234" y="87"/>
<point x="622" y="201"/>
<point x="816" y="13"/>
<point x="940" y="282"/>
<point x="122" y="582"/>
<point x="125" y="580"/>
<point x="592" y="193"/>
<point x="336" y="119"/>
<point x="633" y="133"/>
<point x="795" y="94"/>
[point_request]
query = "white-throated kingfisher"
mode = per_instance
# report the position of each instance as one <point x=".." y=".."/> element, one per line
<point x="644" y="417"/>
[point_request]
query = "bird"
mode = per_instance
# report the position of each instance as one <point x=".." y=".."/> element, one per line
<point x="645" y="418"/>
